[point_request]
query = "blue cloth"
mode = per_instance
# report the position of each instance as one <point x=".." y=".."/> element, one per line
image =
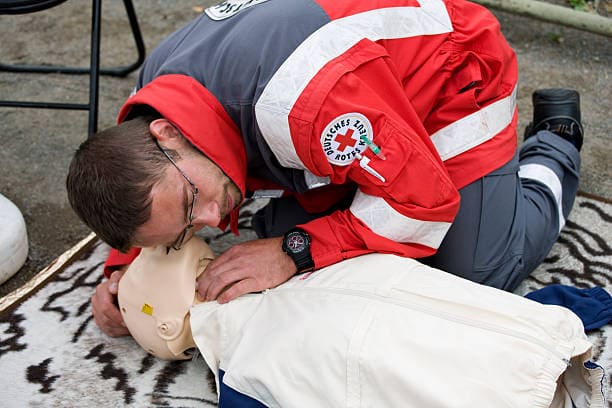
<point x="230" y="398"/>
<point x="593" y="305"/>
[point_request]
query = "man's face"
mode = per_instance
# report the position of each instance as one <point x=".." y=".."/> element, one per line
<point x="172" y="198"/>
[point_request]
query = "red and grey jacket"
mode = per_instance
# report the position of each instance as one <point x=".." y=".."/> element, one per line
<point x="407" y="101"/>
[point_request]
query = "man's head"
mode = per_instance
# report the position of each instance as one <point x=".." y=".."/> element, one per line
<point x="156" y="294"/>
<point x="110" y="180"/>
<point x="134" y="184"/>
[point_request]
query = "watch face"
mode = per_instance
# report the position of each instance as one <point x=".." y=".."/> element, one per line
<point x="296" y="242"/>
<point x="297" y="245"/>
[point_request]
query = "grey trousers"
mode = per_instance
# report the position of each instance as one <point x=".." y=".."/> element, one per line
<point x="507" y="221"/>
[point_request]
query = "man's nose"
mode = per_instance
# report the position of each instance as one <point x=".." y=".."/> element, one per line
<point x="208" y="215"/>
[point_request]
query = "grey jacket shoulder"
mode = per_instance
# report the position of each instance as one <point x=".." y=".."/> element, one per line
<point x="234" y="58"/>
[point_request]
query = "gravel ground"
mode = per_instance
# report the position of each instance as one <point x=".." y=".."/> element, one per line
<point x="36" y="145"/>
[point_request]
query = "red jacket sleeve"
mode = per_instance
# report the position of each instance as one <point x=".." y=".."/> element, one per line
<point x="117" y="259"/>
<point x="406" y="201"/>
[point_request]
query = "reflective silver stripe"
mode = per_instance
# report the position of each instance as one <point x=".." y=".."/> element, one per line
<point x="476" y="128"/>
<point x="547" y="177"/>
<point x="328" y="42"/>
<point x="313" y="181"/>
<point x="385" y="221"/>
<point x="267" y="194"/>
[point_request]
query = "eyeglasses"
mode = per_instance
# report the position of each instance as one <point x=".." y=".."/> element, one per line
<point x="194" y="193"/>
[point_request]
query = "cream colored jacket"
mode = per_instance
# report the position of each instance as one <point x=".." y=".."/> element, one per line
<point x="384" y="331"/>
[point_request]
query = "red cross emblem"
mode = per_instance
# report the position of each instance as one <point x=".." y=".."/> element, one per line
<point x="345" y="140"/>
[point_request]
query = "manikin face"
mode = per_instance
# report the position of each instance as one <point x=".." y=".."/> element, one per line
<point x="173" y="196"/>
<point x="156" y="294"/>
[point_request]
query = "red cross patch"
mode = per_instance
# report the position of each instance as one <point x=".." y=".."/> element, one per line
<point x="344" y="137"/>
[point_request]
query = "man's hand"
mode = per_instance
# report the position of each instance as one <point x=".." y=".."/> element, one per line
<point x="105" y="311"/>
<point x="246" y="267"/>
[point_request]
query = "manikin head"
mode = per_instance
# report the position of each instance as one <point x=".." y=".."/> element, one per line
<point x="156" y="293"/>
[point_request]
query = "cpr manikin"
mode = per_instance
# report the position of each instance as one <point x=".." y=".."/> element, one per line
<point x="376" y="330"/>
<point x="155" y="296"/>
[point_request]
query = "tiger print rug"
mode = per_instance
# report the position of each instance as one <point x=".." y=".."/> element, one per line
<point x="53" y="355"/>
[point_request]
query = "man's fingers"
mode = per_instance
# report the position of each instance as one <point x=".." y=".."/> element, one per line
<point x="113" y="281"/>
<point x="114" y="315"/>
<point x="106" y="315"/>
<point x="110" y="325"/>
<point x="202" y="285"/>
<point x="247" y="267"/>
<point x="113" y="288"/>
<point x="212" y="286"/>
<point x="237" y="289"/>
<point x="216" y="276"/>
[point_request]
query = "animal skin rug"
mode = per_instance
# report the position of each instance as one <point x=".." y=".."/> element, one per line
<point x="53" y="355"/>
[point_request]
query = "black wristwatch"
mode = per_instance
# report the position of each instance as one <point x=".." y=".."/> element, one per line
<point x="296" y="244"/>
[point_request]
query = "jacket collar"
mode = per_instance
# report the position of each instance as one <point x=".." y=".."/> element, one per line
<point x="201" y="119"/>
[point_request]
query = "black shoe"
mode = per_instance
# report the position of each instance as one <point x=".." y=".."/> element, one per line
<point x="557" y="110"/>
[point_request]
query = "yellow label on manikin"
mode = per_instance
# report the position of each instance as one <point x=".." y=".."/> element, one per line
<point x="147" y="309"/>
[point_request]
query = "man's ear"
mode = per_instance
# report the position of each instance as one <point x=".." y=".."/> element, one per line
<point x="165" y="132"/>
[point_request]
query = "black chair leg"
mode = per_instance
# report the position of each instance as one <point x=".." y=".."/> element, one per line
<point x="138" y="41"/>
<point x="93" y="70"/>
<point x="114" y="71"/>
<point x="94" y="74"/>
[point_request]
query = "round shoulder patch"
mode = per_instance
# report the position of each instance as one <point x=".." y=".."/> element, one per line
<point x="229" y="8"/>
<point x="345" y="137"/>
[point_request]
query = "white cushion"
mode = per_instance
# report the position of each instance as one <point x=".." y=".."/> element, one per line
<point x="13" y="239"/>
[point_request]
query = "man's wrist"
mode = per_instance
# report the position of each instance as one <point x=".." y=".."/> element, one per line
<point x="296" y="244"/>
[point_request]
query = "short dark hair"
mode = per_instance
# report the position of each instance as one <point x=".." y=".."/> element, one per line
<point x="110" y="180"/>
